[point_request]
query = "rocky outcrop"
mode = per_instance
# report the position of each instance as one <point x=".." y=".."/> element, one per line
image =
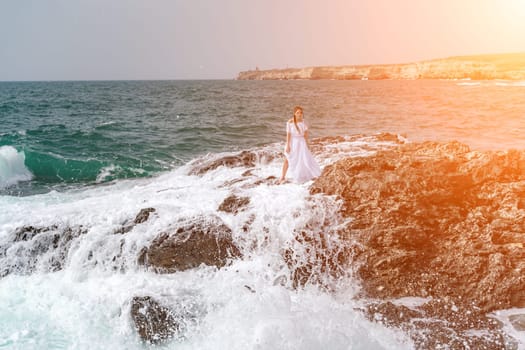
<point x="244" y="158"/>
<point x="313" y="258"/>
<point x="482" y="67"/>
<point x="234" y="204"/>
<point x="435" y="220"/>
<point x="32" y="248"/>
<point x="141" y="217"/>
<point x="201" y="241"/>
<point x="154" y="323"/>
<point x="442" y="324"/>
<point x="241" y="159"/>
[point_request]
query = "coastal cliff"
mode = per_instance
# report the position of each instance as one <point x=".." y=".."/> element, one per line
<point x="482" y="67"/>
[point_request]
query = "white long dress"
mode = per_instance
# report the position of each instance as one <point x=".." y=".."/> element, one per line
<point x="301" y="164"/>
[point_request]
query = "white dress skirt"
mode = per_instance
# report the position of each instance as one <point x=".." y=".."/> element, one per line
<point x="301" y="164"/>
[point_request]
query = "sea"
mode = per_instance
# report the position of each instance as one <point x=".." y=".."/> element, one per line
<point x="87" y="156"/>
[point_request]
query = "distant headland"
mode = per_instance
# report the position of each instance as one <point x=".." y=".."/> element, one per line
<point x="509" y="66"/>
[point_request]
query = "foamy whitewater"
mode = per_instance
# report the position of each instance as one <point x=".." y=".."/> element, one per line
<point x="12" y="167"/>
<point x="249" y="304"/>
<point x="81" y="159"/>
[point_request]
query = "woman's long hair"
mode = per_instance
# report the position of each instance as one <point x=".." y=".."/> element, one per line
<point x="295" y="109"/>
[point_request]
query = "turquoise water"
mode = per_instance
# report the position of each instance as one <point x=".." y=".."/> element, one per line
<point x="74" y="134"/>
<point x="78" y="132"/>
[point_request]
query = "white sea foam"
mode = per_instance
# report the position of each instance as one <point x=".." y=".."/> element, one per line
<point x="247" y="305"/>
<point x="504" y="316"/>
<point x="476" y="83"/>
<point x="511" y="83"/>
<point x="12" y="167"/>
<point x="106" y="172"/>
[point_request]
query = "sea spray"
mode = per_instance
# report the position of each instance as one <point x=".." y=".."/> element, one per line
<point x="12" y="167"/>
<point x="252" y="303"/>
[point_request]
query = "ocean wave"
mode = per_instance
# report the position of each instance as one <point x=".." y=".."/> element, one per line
<point x="109" y="125"/>
<point x="53" y="168"/>
<point x="477" y="83"/>
<point x="289" y="273"/>
<point x="12" y="167"/>
<point x="219" y="245"/>
<point x="511" y="83"/>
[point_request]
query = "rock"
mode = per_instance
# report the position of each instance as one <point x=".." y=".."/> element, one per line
<point x="37" y="248"/>
<point x="312" y="259"/>
<point x="202" y="241"/>
<point x="435" y="220"/>
<point x="247" y="159"/>
<point x="518" y="322"/>
<point x="440" y="324"/>
<point x="244" y="158"/>
<point x="141" y="217"/>
<point x="153" y="322"/>
<point x="269" y="180"/>
<point x="392" y="315"/>
<point x="234" y="204"/>
<point x="26" y="233"/>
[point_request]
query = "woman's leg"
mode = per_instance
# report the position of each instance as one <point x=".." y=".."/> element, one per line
<point x="285" y="169"/>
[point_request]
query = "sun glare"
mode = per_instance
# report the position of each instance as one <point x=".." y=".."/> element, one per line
<point x="514" y="10"/>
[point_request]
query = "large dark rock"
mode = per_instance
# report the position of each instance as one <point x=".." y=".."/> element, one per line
<point x="201" y="241"/>
<point x="436" y="220"/>
<point x="153" y="322"/>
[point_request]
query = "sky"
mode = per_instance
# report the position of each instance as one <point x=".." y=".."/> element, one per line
<point x="216" y="39"/>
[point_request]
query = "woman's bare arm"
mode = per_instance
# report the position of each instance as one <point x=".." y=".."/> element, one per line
<point x="306" y="137"/>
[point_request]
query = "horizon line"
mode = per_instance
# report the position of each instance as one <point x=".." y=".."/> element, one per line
<point x="106" y="80"/>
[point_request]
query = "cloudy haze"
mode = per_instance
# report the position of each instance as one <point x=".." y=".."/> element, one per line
<point x="215" y="39"/>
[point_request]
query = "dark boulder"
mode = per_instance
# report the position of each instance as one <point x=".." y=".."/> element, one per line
<point x="244" y="158"/>
<point x="154" y="323"/>
<point x="141" y="217"/>
<point x="201" y="241"/>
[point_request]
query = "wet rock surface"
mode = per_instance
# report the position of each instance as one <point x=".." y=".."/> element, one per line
<point x="141" y="217"/>
<point x="234" y="204"/>
<point x="245" y="159"/>
<point x="154" y="322"/>
<point x="313" y="259"/>
<point x="200" y="241"/>
<point x="441" y="324"/>
<point x="435" y="220"/>
<point x="518" y="322"/>
<point x="32" y="248"/>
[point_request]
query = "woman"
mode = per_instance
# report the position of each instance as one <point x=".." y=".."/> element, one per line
<point x="299" y="160"/>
